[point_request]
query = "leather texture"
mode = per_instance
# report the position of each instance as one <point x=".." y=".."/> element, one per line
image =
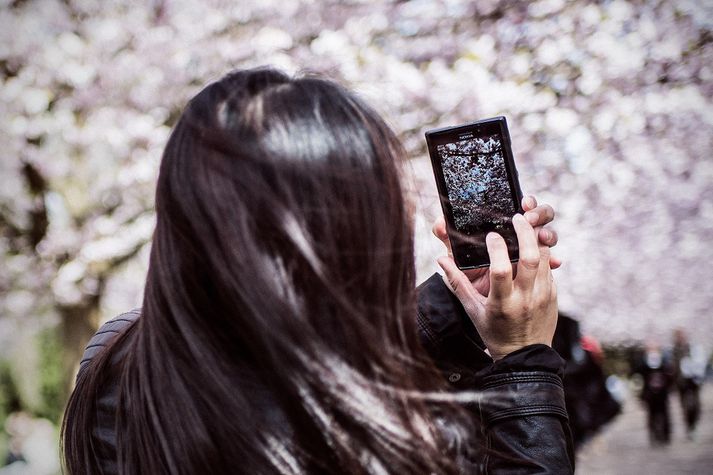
<point x="105" y="335"/>
<point x="104" y="433"/>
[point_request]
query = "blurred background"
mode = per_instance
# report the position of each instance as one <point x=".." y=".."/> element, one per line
<point x="611" y="117"/>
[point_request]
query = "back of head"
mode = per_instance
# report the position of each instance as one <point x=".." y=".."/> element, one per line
<point x="280" y="198"/>
<point x="278" y="319"/>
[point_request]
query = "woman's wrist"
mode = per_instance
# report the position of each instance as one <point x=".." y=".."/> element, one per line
<point x="535" y="357"/>
<point x="506" y="350"/>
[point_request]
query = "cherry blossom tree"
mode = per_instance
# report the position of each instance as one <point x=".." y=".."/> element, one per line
<point x="609" y="107"/>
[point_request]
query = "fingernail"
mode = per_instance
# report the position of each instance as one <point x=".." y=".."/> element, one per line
<point x="490" y="236"/>
<point x="530" y="201"/>
<point x="532" y="217"/>
<point x="518" y="216"/>
<point x="546" y="235"/>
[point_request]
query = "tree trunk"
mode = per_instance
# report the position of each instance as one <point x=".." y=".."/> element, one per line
<point x="79" y="323"/>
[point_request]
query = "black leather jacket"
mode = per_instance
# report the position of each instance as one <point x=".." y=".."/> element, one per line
<point x="524" y="429"/>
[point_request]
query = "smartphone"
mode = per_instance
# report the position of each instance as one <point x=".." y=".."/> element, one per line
<point x="478" y="187"/>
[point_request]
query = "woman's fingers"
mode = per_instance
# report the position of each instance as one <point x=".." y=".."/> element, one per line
<point x="462" y="287"/>
<point x="555" y="262"/>
<point x="545" y="255"/>
<point x="529" y="202"/>
<point x="537" y="215"/>
<point x="540" y="215"/>
<point x="455" y="279"/>
<point x="439" y="230"/>
<point x="548" y="237"/>
<point x="543" y="283"/>
<point x="500" y="266"/>
<point x="529" y="260"/>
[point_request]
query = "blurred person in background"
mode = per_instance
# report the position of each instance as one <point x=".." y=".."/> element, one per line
<point x="690" y="369"/>
<point x="31" y="439"/>
<point x="590" y="405"/>
<point x="16" y="427"/>
<point x="280" y="330"/>
<point x="656" y="368"/>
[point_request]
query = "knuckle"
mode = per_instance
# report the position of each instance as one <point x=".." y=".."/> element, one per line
<point x="530" y="261"/>
<point x="454" y="285"/>
<point x="500" y="272"/>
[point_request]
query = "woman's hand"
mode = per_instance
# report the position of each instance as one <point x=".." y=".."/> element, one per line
<point x="537" y="216"/>
<point x="517" y="306"/>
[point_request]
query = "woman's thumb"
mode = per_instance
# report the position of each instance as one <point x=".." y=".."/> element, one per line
<point x="454" y="278"/>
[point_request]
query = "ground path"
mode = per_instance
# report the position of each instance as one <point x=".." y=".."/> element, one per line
<point x="623" y="446"/>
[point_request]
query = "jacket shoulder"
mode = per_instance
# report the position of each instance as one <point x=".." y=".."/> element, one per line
<point x="106" y="334"/>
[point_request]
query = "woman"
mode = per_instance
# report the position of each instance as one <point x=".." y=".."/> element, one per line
<point x="278" y="330"/>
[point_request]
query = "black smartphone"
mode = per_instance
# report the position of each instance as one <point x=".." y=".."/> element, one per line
<point x="478" y="187"/>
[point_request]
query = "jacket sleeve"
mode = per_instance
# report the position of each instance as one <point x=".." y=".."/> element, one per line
<point x="521" y="409"/>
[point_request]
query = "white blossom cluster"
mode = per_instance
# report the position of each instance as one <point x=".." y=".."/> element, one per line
<point x="608" y="103"/>
<point x="477" y="182"/>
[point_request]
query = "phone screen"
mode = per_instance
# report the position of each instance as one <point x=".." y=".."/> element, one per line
<point x="476" y="173"/>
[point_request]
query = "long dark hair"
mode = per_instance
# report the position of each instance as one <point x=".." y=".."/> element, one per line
<point x="278" y="324"/>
